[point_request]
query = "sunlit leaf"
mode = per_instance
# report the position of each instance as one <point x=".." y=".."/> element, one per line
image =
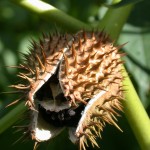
<point x="122" y="3"/>
<point x="138" y="56"/>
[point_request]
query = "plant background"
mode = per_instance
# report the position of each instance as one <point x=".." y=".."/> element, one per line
<point x="18" y="26"/>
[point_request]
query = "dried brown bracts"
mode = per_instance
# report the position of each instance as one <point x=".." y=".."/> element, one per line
<point x="72" y="81"/>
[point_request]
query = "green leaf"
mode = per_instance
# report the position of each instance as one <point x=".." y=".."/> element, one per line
<point x="122" y="3"/>
<point x="138" y="56"/>
<point x="10" y="118"/>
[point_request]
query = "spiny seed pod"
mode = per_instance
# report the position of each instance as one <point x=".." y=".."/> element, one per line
<point x="72" y="81"/>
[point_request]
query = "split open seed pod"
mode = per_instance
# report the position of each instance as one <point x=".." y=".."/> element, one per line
<point x="72" y="81"/>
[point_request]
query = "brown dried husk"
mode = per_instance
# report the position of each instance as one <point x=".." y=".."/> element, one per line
<point x="89" y="72"/>
<point x="91" y="66"/>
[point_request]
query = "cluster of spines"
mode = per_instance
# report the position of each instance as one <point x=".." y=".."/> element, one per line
<point x="96" y="119"/>
<point x="88" y="65"/>
<point x="91" y="65"/>
<point x="43" y="57"/>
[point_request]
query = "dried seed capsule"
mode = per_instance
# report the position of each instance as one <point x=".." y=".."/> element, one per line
<point x="75" y="82"/>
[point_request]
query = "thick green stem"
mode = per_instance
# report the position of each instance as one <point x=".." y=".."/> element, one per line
<point x="52" y="14"/>
<point x="113" y="22"/>
<point x="136" y="114"/>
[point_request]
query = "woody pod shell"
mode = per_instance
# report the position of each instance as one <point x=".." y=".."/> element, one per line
<point x="72" y="81"/>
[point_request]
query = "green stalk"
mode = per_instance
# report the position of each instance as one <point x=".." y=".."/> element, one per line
<point x="52" y="14"/>
<point x="136" y="114"/>
<point x="112" y="22"/>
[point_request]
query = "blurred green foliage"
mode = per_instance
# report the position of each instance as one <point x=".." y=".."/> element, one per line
<point x="18" y="26"/>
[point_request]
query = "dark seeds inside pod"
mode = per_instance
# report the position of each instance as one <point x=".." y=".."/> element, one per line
<point x="66" y="117"/>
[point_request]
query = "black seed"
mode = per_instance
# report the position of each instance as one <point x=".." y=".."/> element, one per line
<point x="67" y="117"/>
